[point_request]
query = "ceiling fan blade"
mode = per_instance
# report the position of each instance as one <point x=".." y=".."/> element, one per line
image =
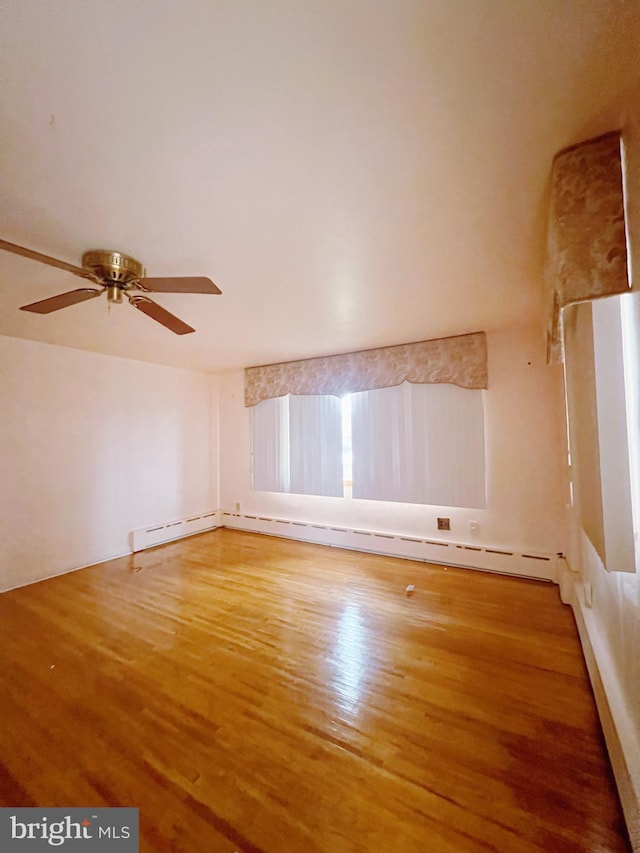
<point x="47" y="259"/>
<point x="62" y="300"/>
<point x="161" y="315"/>
<point x="184" y="284"/>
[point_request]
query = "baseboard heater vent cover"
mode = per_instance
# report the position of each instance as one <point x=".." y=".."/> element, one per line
<point x="516" y="562"/>
<point x="147" y="537"/>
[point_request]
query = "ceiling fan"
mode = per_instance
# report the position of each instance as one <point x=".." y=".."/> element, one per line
<point x="117" y="275"/>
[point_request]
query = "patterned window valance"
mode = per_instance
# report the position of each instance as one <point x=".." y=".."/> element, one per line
<point x="586" y="242"/>
<point x="460" y="360"/>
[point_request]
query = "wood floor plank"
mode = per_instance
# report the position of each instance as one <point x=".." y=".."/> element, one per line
<point x="259" y="695"/>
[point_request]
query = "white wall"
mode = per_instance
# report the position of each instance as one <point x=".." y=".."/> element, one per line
<point x="525" y="450"/>
<point x="93" y="447"/>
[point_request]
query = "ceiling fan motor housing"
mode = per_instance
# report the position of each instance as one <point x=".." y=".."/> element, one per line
<point x="113" y="266"/>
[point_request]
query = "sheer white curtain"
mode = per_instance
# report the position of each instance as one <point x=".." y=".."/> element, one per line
<point x="315" y="436"/>
<point x="419" y="444"/>
<point x="448" y="445"/>
<point x="380" y="430"/>
<point x="297" y="445"/>
<point x="270" y="445"/>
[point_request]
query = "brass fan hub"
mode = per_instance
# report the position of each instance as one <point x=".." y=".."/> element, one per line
<point x="113" y="266"/>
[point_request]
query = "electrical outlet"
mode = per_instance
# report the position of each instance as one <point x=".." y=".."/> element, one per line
<point x="474" y="526"/>
<point x="237" y="506"/>
<point x="444" y="524"/>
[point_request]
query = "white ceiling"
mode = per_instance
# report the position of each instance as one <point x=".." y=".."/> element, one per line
<point x="351" y="173"/>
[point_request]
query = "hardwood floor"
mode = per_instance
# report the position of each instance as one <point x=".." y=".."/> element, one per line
<point x="254" y="694"/>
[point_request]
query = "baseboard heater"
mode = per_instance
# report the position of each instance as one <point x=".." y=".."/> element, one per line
<point x="528" y="564"/>
<point x="157" y="534"/>
<point x="507" y="561"/>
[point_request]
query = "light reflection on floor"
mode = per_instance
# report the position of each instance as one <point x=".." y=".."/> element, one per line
<point x="350" y="659"/>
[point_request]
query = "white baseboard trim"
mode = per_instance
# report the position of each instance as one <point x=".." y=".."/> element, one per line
<point x="618" y="728"/>
<point x="468" y="555"/>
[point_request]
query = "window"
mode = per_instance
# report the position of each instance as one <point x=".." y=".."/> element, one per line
<point x="420" y="444"/>
<point x="297" y="445"/>
<point x="601" y="356"/>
